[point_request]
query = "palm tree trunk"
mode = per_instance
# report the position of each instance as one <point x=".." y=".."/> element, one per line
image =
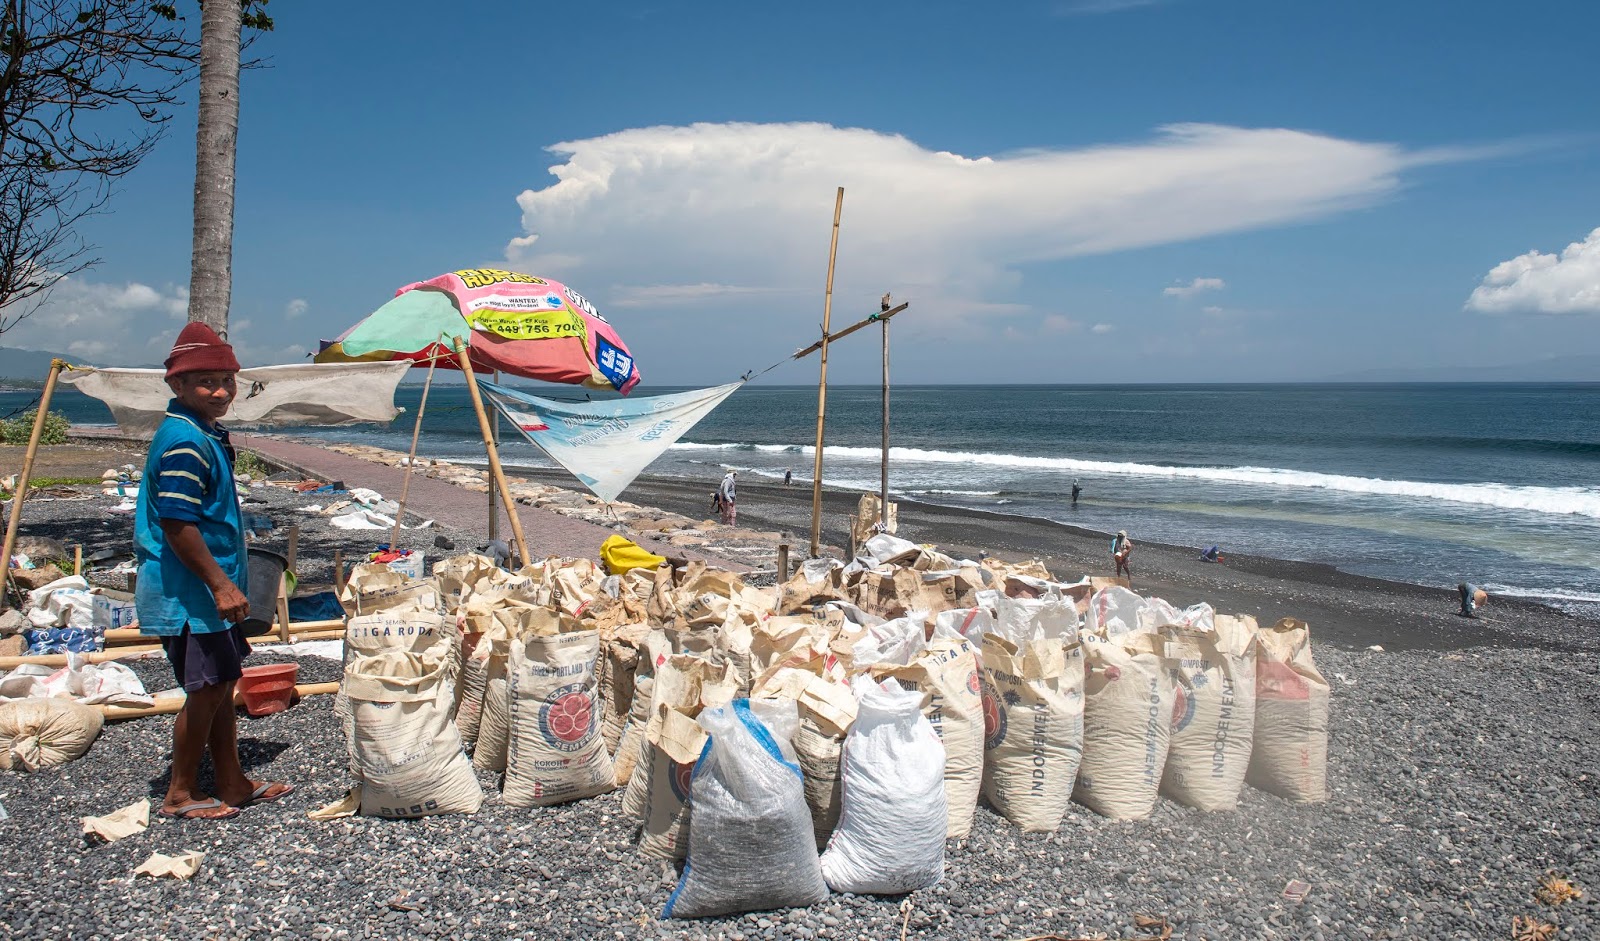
<point x="216" y="142"/>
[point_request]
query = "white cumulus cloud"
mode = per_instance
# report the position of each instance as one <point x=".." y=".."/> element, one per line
<point x="1568" y="283"/>
<point x="1099" y="328"/>
<point x="128" y="324"/>
<point x="1195" y="287"/>
<point x="295" y="308"/>
<point x="674" y="214"/>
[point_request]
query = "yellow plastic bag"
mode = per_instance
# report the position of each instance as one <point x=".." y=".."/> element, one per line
<point x="620" y="555"/>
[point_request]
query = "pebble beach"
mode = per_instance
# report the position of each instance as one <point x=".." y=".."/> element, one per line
<point x="1461" y="768"/>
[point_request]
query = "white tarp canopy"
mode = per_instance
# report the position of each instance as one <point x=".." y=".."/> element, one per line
<point x="308" y="394"/>
<point x="606" y="444"/>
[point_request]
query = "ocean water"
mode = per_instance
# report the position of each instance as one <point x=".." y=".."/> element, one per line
<point x="1433" y="484"/>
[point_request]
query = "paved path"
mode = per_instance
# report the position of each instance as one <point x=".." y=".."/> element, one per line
<point x="549" y="533"/>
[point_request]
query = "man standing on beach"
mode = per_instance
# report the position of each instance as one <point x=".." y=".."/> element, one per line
<point x="788" y="475"/>
<point x="727" y="491"/>
<point x="1075" y="491"/>
<point x="190" y="547"/>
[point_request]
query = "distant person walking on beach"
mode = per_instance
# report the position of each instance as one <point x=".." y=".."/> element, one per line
<point x="788" y="475"/>
<point x="727" y="493"/>
<point x="1075" y="491"/>
<point x="1121" y="549"/>
<point x="1472" y="598"/>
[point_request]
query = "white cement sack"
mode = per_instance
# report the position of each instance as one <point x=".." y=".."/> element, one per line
<point x="890" y="836"/>
<point x="1127" y="723"/>
<point x="43" y="733"/>
<point x="946" y="674"/>
<point x="653" y="653"/>
<point x="971" y="623"/>
<point x="751" y="847"/>
<point x="620" y="662"/>
<point x="1213" y="712"/>
<point x="1033" y="729"/>
<point x="827" y="710"/>
<point x="1290" y="755"/>
<point x="494" y="722"/>
<point x="555" y="753"/>
<point x="684" y="686"/>
<point x="1114" y="614"/>
<point x="1023" y="620"/>
<point x="399" y="688"/>
<point x="473" y="687"/>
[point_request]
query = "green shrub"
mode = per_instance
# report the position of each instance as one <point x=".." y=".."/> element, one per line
<point x="251" y="463"/>
<point x="19" y="429"/>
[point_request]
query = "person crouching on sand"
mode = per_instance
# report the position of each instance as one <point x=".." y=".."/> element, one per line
<point x="1121" y="549"/>
<point x="1472" y="598"/>
<point x="190" y="547"/>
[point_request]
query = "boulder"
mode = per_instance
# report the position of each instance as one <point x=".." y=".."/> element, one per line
<point x="29" y="579"/>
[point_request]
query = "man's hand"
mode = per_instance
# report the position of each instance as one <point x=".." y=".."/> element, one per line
<point x="232" y="604"/>
<point x="190" y="547"/>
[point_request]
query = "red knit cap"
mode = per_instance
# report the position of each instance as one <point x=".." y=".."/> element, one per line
<point x="199" y="349"/>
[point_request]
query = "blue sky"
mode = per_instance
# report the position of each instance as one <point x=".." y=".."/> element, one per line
<point x="1108" y="190"/>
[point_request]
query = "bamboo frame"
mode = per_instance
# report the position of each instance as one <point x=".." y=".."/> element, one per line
<point x="883" y="484"/>
<point x="494" y="453"/>
<point x="17" y="497"/>
<point x="822" y="382"/>
<point x="283" y="609"/>
<point x="129" y="635"/>
<point x="411" y="459"/>
<point x="175" y="704"/>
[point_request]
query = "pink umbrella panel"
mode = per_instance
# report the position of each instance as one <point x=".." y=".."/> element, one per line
<point x="515" y="323"/>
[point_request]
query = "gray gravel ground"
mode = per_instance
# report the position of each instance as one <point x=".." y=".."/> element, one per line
<point x="89" y="523"/>
<point x="1458" y="781"/>
<point x="1459" y="778"/>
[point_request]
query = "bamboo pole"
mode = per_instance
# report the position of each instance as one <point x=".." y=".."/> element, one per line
<point x="883" y="486"/>
<point x="77" y="559"/>
<point x="338" y="572"/>
<point x="127" y="635"/>
<point x="411" y="459"/>
<point x="174" y="704"/>
<point x="822" y="383"/>
<point x="293" y="554"/>
<point x="494" y="507"/>
<point x="283" y="609"/>
<point x="17" y="496"/>
<point x="494" y="453"/>
<point x="60" y="659"/>
<point x="835" y="338"/>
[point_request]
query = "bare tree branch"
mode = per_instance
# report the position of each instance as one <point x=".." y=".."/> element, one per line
<point x="87" y="90"/>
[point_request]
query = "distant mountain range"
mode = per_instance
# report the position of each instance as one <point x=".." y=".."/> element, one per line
<point x="29" y="364"/>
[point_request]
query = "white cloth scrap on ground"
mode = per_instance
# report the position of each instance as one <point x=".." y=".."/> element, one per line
<point x="306" y="394"/>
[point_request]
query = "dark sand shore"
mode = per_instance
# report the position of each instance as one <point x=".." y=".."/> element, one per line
<point x="1343" y="609"/>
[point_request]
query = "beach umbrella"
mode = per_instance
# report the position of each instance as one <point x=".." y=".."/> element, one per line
<point x="514" y="323"/>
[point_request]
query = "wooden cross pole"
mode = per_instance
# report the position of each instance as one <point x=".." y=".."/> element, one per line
<point x="17" y="496"/>
<point x="495" y="470"/>
<point x="822" y="383"/>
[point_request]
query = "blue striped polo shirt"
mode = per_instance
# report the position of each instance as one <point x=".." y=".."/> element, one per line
<point x="188" y="476"/>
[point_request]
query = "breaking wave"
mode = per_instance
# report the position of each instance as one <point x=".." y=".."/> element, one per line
<point x="1558" y="501"/>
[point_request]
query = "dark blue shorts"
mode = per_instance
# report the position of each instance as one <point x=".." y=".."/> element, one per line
<point x="201" y="660"/>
